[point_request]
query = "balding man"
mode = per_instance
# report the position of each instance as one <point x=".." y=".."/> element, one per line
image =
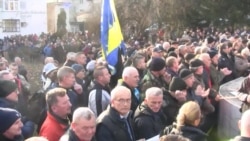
<point x="149" y="119"/>
<point x="244" y="125"/>
<point x="114" y="124"/>
<point x="130" y="78"/>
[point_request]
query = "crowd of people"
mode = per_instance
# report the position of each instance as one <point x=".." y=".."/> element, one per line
<point x="164" y="89"/>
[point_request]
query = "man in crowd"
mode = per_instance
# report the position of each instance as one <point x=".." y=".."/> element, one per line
<point x="155" y="76"/>
<point x="115" y="124"/>
<point x="66" y="80"/>
<point x="130" y="78"/>
<point x="9" y="99"/>
<point x="83" y="126"/>
<point x="56" y="122"/>
<point x="99" y="96"/>
<point x="149" y="119"/>
<point x="11" y="125"/>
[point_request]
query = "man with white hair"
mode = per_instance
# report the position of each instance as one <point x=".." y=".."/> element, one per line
<point x="70" y="59"/>
<point x="83" y="126"/>
<point x="148" y="116"/>
<point x="244" y="125"/>
<point x="130" y="79"/>
<point x="115" y="124"/>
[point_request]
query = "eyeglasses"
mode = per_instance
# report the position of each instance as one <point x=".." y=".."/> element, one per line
<point x="123" y="101"/>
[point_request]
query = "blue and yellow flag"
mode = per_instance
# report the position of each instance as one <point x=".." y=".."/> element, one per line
<point x="111" y="35"/>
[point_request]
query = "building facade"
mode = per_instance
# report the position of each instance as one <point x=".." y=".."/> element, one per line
<point x="77" y="12"/>
<point x="22" y="17"/>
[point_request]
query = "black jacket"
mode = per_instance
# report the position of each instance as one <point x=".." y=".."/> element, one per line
<point x="226" y="62"/>
<point x="18" y="138"/>
<point x="71" y="136"/>
<point x="193" y="133"/>
<point x="147" y="123"/>
<point x="110" y="127"/>
<point x="170" y="107"/>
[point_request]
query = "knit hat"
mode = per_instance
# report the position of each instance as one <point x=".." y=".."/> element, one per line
<point x="195" y="63"/>
<point x="210" y="40"/>
<point x="172" y="53"/>
<point x="158" y="49"/>
<point x="49" y="68"/>
<point x="177" y="84"/>
<point x="212" y="53"/>
<point x="8" y="117"/>
<point x="189" y="56"/>
<point x="91" y="65"/>
<point x="77" y="68"/>
<point x="185" y="73"/>
<point x="7" y="87"/>
<point x="157" y="64"/>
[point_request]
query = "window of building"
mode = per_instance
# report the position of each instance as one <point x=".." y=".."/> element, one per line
<point x="11" y="5"/>
<point x="11" y="25"/>
<point x="1" y="4"/>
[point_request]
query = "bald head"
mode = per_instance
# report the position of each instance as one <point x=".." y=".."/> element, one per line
<point x="244" y="124"/>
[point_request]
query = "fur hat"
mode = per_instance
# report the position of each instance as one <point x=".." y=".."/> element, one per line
<point x="8" y="117"/>
<point x="7" y="87"/>
<point x="185" y="73"/>
<point x="195" y="63"/>
<point x="177" y="84"/>
<point x="157" y="64"/>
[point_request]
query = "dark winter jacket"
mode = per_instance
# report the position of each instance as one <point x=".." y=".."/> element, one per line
<point x="193" y="133"/>
<point x="110" y="127"/>
<point x="147" y="123"/>
<point x="71" y="136"/>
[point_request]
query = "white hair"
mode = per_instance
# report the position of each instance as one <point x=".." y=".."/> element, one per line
<point x="127" y="71"/>
<point x="118" y="90"/>
<point x="82" y="112"/>
<point x="153" y="91"/>
<point x="71" y="56"/>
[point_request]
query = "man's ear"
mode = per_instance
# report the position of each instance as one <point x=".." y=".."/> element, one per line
<point x="239" y="124"/>
<point x="145" y="101"/>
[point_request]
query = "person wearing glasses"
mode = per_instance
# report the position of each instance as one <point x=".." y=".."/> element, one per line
<point x="115" y="123"/>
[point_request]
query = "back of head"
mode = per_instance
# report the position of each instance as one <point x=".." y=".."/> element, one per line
<point x="188" y="114"/>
